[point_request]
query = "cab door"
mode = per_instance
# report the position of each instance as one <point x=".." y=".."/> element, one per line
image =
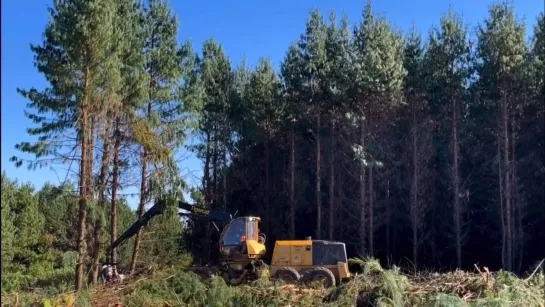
<point x="233" y="237"/>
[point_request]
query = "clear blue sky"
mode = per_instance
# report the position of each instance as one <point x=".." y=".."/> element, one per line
<point x="250" y="28"/>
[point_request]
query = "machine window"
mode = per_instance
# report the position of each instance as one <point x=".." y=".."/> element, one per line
<point x="252" y="230"/>
<point x="328" y="254"/>
<point x="234" y="233"/>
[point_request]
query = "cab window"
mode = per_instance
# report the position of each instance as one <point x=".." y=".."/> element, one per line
<point x="252" y="230"/>
<point x="234" y="233"/>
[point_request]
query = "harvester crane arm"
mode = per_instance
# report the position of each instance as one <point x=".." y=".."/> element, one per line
<point x="158" y="209"/>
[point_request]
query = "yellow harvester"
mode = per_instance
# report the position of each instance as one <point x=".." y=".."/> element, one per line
<point x="242" y="248"/>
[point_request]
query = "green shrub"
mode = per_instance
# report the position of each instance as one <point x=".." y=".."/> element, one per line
<point x="443" y="300"/>
<point x="372" y="285"/>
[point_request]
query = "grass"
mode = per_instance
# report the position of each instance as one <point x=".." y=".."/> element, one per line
<point x="372" y="285"/>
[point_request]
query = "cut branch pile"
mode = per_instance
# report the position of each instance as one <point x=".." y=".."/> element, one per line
<point x="481" y="288"/>
<point x="372" y="286"/>
<point x="464" y="284"/>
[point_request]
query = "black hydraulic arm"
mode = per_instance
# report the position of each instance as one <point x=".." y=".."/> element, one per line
<point x="158" y="209"/>
<point x="206" y="213"/>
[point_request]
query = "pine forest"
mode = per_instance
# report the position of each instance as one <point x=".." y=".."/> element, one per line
<point x="422" y="151"/>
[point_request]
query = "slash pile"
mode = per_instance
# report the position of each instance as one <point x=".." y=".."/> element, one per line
<point x="371" y="286"/>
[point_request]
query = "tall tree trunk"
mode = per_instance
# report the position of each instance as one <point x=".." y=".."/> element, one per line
<point x="340" y="198"/>
<point x="206" y="176"/>
<point x="89" y="181"/>
<point x="292" y="183"/>
<point x="456" y="184"/>
<point x="89" y="187"/>
<point x="225" y="140"/>
<point x="214" y="188"/>
<point x="414" y="187"/>
<point x="517" y="202"/>
<point x="207" y="198"/>
<point x="388" y="220"/>
<point x="371" y="193"/>
<point x="516" y="196"/>
<point x="140" y="211"/>
<point x="394" y="236"/>
<point x="501" y="197"/>
<point x="90" y="155"/>
<point x="543" y="149"/>
<point x="371" y="213"/>
<point x="115" y="182"/>
<point x="83" y="201"/>
<point x="508" y="189"/>
<point x="433" y="232"/>
<point x="318" y="181"/>
<point x="267" y="191"/>
<point x="215" y="164"/>
<point x="362" y="193"/>
<point x="101" y="200"/>
<point x="332" y="183"/>
<point x="143" y="194"/>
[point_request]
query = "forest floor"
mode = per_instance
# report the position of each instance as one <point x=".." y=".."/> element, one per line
<point x="372" y="286"/>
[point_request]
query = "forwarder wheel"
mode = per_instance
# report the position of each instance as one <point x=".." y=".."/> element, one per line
<point x="323" y="275"/>
<point x="288" y="275"/>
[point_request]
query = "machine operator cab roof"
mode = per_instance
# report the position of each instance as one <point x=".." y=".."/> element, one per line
<point x="239" y="234"/>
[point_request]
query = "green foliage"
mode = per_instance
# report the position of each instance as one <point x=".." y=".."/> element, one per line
<point x="444" y="300"/>
<point x="77" y="39"/>
<point x="449" y="46"/>
<point x="380" y="61"/>
<point x="125" y="218"/>
<point x="371" y="286"/>
<point x="27" y="223"/>
<point x="262" y="96"/>
<point x="161" y="242"/>
<point x="186" y="289"/>
<point x="8" y="229"/>
<point x="58" y="206"/>
<point x="169" y="103"/>
<point x="315" y="65"/>
<point x="43" y="221"/>
<point x="32" y="260"/>
<point x="501" y="43"/>
<point x="374" y="284"/>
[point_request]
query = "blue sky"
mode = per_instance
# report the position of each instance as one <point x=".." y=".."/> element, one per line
<point x="244" y="28"/>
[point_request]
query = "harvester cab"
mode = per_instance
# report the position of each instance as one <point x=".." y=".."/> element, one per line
<point x="241" y="237"/>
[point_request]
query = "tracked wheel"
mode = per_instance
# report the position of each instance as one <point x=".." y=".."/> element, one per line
<point x="288" y="275"/>
<point x="323" y="275"/>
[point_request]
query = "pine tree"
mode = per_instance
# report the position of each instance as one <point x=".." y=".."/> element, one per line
<point x="336" y="94"/>
<point x="76" y="58"/>
<point x="447" y="71"/>
<point x="262" y="96"/>
<point x="538" y="50"/>
<point x="215" y="72"/>
<point x="501" y="48"/>
<point x="161" y="109"/>
<point x="380" y="78"/>
<point x="313" y="46"/>
<point x="291" y="72"/>
<point x="419" y="140"/>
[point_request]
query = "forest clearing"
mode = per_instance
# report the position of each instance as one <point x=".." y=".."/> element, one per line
<point x="419" y="158"/>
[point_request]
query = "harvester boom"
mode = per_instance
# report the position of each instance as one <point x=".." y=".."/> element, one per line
<point x="159" y="208"/>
